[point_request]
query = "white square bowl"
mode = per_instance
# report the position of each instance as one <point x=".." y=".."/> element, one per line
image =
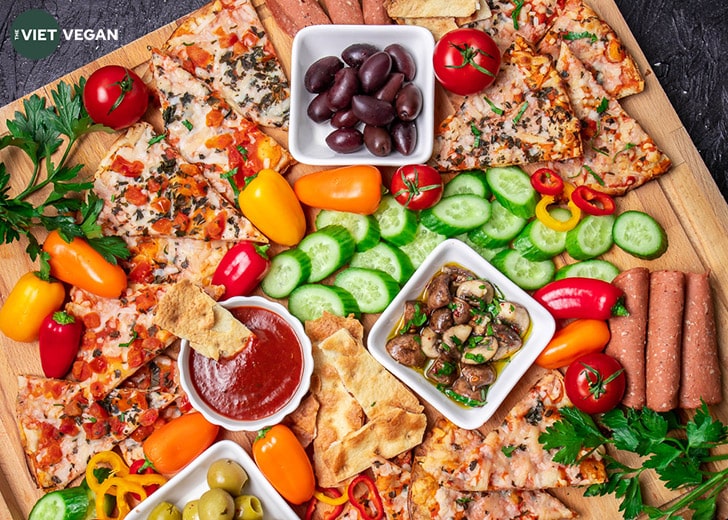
<point x="190" y="483"/>
<point x="307" y="140"/>
<point x="454" y="251"/>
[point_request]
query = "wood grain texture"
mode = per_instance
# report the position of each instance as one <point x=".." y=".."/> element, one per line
<point x="686" y="201"/>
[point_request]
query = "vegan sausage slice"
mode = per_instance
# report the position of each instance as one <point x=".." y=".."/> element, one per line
<point x="664" y="339"/>
<point x="375" y="13"/>
<point x="700" y="377"/>
<point x="294" y="15"/>
<point x="344" y="11"/>
<point x="629" y="333"/>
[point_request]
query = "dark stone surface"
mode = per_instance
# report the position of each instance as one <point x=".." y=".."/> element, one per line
<point x="686" y="44"/>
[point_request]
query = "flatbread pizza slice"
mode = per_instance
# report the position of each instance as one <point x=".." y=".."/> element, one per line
<point x="525" y="116"/>
<point x="618" y="154"/>
<point x="163" y="260"/>
<point x="595" y="43"/>
<point x="148" y="189"/>
<point x="61" y="426"/>
<point x="206" y="130"/>
<point x="529" y="19"/>
<point x="119" y="336"/>
<point x="225" y="45"/>
<point x="509" y="457"/>
<point x="429" y="500"/>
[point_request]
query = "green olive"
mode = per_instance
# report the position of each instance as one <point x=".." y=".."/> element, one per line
<point x="228" y="475"/>
<point x="191" y="511"/>
<point x="216" y="504"/>
<point x="165" y="511"/>
<point x="248" y="507"/>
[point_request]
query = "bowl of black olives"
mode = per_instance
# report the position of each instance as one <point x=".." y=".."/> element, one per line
<point x="362" y="94"/>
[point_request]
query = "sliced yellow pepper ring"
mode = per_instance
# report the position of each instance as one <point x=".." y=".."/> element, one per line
<point x="146" y="479"/>
<point x="542" y="211"/>
<point x="122" y="487"/>
<point x="332" y="501"/>
<point x="104" y="459"/>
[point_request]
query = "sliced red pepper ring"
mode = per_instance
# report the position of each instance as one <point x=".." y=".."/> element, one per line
<point x="369" y="504"/>
<point x="593" y="202"/>
<point x="547" y="182"/>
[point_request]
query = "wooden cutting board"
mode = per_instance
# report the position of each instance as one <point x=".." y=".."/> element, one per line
<point x="686" y="201"/>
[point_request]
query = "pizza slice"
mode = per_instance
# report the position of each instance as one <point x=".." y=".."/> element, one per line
<point x="148" y="189"/>
<point x="429" y="500"/>
<point x="509" y="457"/>
<point x="529" y="19"/>
<point x="618" y="154"/>
<point x="61" y="426"/>
<point x="596" y="44"/>
<point x="225" y="45"/>
<point x="119" y="336"/>
<point x="524" y="117"/>
<point x="206" y="130"/>
<point x="162" y="260"/>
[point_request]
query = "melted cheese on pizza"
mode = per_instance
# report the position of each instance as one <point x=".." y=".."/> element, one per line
<point x="225" y="45"/>
<point x="62" y="426"/>
<point x="206" y="130"/>
<point x="162" y="260"/>
<point x="524" y="117"/>
<point x="119" y="335"/>
<point x="148" y="189"/>
<point x="594" y="42"/>
<point x="618" y="154"/>
<point x="509" y="457"/>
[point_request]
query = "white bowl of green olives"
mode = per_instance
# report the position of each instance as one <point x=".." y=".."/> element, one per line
<point x="222" y="476"/>
<point x="362" y="94"/>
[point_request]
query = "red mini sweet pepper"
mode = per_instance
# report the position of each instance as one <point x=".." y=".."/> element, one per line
<point x="242" y="269"/>
<point x="143" y="467"/>
<point x="582" y="298"/>
<point x="59" y="339"/>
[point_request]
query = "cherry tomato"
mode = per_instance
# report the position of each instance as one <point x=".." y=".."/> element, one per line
<point x="466" y="61"/>
<point x="595" y="382"/>
<point x="115" y="96"/>
<point x="417" y="186"/>
<point x="547" y="182"/>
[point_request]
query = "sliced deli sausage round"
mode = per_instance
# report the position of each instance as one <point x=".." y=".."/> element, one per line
<point x="700" y="377"/>
<point x="629" y="333"/>
<point x="664" y="339"/>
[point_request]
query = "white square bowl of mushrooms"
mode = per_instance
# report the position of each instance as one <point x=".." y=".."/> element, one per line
<point x="460" y="334"/>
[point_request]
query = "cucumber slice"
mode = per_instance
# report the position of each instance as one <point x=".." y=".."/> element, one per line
<point x="309" y="301"/>
<point x="423" y="243"/>
<point x="63" y="504"/>
<point x="502" y="227"/>
<point x="328" y="248"/>
<point x="397" y="224"/>
<point x="372" y="289"/>
<point x="471" y="181"/>
<point x="486" y="252"/>
<point x="539" y="242"/>
<point x="639" y="234"/>
<point x="456" y="214"/>
<point x="594" y="268"/>
<point x="387" y="258"/>
<point x="511" y="186"/>
<point x="591" y="237"/>
<point x="363" y="228"/>
<point x="288" y="270"/>
<point x="526" y="274"/>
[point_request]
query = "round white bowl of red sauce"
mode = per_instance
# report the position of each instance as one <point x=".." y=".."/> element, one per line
<point x="260" y="385"/>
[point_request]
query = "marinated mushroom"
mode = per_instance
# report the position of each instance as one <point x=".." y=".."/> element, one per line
<point x="456" y="332"/>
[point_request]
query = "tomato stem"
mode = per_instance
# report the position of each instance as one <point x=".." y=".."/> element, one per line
<point x="469" y="53"/>
<point x="125" y="84"/>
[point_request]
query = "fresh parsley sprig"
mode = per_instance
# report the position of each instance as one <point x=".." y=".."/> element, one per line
<point x="44" y="132"/>
<point x="676" y="452"/>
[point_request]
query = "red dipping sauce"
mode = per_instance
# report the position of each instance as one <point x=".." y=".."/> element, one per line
<point x="260" y="379"/>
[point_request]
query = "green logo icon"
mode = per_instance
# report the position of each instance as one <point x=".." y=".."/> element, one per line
<point x="35" y="34"/>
